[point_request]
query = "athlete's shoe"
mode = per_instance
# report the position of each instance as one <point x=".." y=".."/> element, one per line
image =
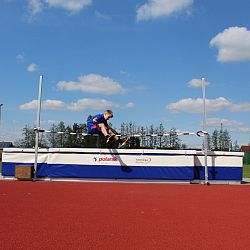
<point x="109" y="138"/>
<point x="122" y="143"/>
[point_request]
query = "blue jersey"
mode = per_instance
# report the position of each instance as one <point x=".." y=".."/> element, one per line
<point x="100" y="119"/>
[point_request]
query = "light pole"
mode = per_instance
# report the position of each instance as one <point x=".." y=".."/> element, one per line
<point x="1" y="112"/>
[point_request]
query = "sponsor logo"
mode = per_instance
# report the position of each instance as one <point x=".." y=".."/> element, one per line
<point x="105" y="158"/>
<point x="143" y="160"/>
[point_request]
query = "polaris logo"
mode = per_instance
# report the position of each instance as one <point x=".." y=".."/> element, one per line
<point x="105" y="159"/>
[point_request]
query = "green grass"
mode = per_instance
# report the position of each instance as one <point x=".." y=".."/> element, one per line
<point x="246" y="171"/>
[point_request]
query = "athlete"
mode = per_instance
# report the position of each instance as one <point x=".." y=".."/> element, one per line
<point x="98" y="124"/>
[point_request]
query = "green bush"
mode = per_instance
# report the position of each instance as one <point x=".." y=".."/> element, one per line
<point x="246" y="159"/>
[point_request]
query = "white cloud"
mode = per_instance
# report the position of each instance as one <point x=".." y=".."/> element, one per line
<point x="240" y="107"/>
<point x="243" y="130"/>
<point x="96" y="104"/>
<point x="48" y="122"/>
<point x="20" y="56"/>
<point x="11" y="135"/>
<point x="216" y="122"/>
<point x="196" y="83"/>
<point x="53" y="104"/>
<point x="80" y="105"/>
<point x="29" y="105"/>
<point x="158" y="8"/>
<point x="70" y="5"/>
<point x="32" y="67"/>
<point x="190" y="105"/>
<point x="98" y="14"/>
<point x="141" y="88"/>
<point x="93" y="83"/>
<point x="129" y="105"/>
<point x="233" y="44"/>
<point x="47" y="104"/>
<point x="74" y="6"/>
<point x="123" y="72"/>
<point x="34" y="7"/>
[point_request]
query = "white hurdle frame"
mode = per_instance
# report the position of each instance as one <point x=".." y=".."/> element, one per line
<point x="198" y="133"/>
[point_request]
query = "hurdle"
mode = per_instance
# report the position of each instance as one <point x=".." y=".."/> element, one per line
<point x="198" y="133"/>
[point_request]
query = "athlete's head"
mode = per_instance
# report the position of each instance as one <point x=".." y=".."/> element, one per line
<point x="108" y="114"/>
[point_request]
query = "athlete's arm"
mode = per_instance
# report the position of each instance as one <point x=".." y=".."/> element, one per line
<point x="95" y="120"/>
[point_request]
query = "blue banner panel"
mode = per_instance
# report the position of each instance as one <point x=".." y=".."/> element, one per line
<point x="8" y="168"/>
<point x="112" y="172"/>
<point x="219" y="173"/>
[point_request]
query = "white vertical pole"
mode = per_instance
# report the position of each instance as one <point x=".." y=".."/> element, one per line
<point x="205" y="142"/>
<point x="1" y="105"/>
<point x="39" y="101"/>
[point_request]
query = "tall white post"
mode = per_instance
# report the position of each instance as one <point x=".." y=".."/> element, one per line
<point x="205" y="141"/>
<point x="1" y="105"/>
<point x="39" y="102"/>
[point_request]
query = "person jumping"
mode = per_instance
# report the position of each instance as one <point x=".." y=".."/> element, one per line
<point x="98" y="124"/>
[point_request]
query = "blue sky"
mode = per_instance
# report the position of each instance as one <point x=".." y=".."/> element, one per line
<point x="143" y="59"/>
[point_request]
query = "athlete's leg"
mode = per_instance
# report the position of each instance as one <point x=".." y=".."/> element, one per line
<point x="103" y="129"/>
<point x="110" y="131"/>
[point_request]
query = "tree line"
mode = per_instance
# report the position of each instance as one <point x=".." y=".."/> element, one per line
<point x="218" y="140"/>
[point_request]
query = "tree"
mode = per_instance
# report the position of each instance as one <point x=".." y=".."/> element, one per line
<point x="142" y="131"/>
<point x="221" y="140"/>
<point x="160" y="132"/>
<point x="57" y="140"/>
<point x="51" y="136"/>
<point x="209" y="142"/>
<point x="173" y="141"/>
<point x="74" y="138"/>
<point x="236" y="146"/>
<point x="215" y="140"/>
<point x="225" y="139"/>
<point x="71" y="137"/>
<point x="152" y="139"/>
<point x="29" y="139"/>
<point x="148" y="141"/>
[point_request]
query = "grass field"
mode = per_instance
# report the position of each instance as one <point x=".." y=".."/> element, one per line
<point x="246" y="171"/>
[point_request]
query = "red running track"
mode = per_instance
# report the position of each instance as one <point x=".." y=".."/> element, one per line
<point x="63" y="215"/>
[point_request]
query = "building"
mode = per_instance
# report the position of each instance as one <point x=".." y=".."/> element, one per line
<point x="245" y="149"/>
